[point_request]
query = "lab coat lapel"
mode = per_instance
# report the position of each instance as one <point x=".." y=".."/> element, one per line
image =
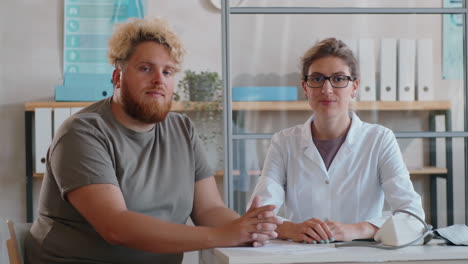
<point x="347" y="148"/>
<point x="341" y="156"/>
<point x="310" y="151"/>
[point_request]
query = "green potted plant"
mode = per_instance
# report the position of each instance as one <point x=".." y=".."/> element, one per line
<point x="200" y="86"/>
<point x="204" y="105"/>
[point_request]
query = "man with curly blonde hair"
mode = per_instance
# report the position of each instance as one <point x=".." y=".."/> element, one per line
<point x="125" y="174"/>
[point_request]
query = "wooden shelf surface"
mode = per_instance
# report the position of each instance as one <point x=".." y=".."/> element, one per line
<point x="276" y="105"/>
<point x="421" y="171"/>
<point x="359" y="106"/>
<point x="428" y="170"/>
<point x="31" y="106"/>
<point x="418" y="171"/>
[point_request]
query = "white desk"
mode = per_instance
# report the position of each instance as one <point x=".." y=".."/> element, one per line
<point x="300" y="253"/>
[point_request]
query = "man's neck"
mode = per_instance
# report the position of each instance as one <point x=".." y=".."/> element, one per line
<point x="126" y="120"/>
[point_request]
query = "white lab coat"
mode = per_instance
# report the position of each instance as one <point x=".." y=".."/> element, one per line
<point x="367" y="168"/>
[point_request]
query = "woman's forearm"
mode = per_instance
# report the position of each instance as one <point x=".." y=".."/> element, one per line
<point x="283" y="230"/>
<point x="363" y="230"/>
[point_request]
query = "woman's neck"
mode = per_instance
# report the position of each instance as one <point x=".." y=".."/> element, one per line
<point x="330" y="128"/>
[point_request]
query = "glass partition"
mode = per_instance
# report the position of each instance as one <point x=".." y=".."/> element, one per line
<point x="349" y="3"/>
<point x="412" y="81"/>
<point x="248" y="157"/>
<point x="395" y="52"/>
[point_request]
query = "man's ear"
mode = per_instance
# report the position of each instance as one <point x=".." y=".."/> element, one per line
<point x="116" y="77"/>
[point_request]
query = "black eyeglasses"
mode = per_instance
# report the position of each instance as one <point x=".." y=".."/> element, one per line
<point x="336" y="81"/>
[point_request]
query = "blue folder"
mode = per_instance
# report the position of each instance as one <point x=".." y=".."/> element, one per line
<point x="84" y="87"/>
<point x="264" y="93"/>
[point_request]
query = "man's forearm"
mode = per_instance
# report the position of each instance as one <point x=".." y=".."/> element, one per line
<point x="216" y="216"/>
<point x="154" y="235"/>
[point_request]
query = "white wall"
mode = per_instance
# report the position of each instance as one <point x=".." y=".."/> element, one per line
<point x="31" y="44"/>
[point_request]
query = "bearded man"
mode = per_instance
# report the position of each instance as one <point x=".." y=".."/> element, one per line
<point x="125" y="174"/>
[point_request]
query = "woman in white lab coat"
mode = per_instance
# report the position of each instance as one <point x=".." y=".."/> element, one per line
<point x="333" y="173"/>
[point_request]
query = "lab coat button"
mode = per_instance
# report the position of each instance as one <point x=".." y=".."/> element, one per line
<point x="327" y="182"/>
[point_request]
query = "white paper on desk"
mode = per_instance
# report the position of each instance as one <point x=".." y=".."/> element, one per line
<point x="283" y="247"/>
<point x="457" y="234"/>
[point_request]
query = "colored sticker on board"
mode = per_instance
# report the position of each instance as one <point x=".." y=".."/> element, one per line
<point x="452" y="43"/>
<point x="88" y="25"/>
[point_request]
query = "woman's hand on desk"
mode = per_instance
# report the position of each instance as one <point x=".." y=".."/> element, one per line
<point x="348" y="232"/>
<point x="310" y="231"/>
<point x="255" y="227"/>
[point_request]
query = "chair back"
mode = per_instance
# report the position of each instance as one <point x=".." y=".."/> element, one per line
<point x="15" y="244"/>
<point x="4" y="236"/>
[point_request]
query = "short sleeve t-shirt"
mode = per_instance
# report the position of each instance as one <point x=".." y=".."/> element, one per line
<point x="155" y="170"/>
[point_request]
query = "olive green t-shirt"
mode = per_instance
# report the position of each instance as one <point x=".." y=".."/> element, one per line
<point x="155" y="170"/>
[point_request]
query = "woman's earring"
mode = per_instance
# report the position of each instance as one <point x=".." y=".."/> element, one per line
<point x="352" y="95"/>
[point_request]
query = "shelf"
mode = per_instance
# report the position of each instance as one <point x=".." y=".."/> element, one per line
<point x="217" y="173"/>
<point x="428" y="171"/>
<point x="31" y="106"/>
<point x="421" y="171"/>
<point x="359" y="106"/>
<point x="180" y="106"/>
<point x="237" y="173"/>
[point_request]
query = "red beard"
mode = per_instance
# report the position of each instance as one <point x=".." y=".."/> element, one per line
<point x="143" y="108"/>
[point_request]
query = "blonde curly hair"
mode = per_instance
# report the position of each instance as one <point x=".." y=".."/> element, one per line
<point x="128" y="35"/>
